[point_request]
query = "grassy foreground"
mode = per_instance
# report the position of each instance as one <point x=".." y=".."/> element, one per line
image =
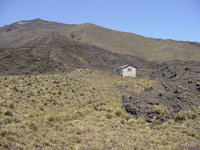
<point x="82" y="111"/>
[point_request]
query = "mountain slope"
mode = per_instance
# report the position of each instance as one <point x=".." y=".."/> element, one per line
<point x="132" y="44"/>
<point x="21" y="33"/>
<point x="56" y="53"/>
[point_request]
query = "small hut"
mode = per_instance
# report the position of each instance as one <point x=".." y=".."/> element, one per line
<point x="126" y="70"/>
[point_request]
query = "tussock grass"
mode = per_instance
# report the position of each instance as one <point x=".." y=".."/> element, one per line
<point x="79" y="58"/>
<point x="82" y="111"/>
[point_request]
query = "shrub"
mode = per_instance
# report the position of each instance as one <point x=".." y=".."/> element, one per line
<point x="11" y="106"/>
<point x="118" y="113"/>
<point x="29" y="84"/>
<point x="30" y="94"/>
<point x="180" y="116"/>
<point x="109" y="116"/>
<point x="147" y="84"/>
<point x="122" y="121"/>
<point x="8" y="113"/>
<point x="78" y="115"/>
<point x="15" y="89"/>
<point x="51" y="119"/>
<point x="191" y="115"/>
<point x="179" y="89"/>
<point x="95" y="108"/>
<point x="163" y="111"/>
<point x="3" y="133"/>
<point x="33" y="127"/>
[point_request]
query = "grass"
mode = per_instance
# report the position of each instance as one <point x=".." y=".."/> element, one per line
<point x="85" y="114"/>
<point x="132" y="44"/>
<point x="79" y="58"/>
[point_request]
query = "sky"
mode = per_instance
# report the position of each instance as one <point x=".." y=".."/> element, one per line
<point x="165" y="19"/>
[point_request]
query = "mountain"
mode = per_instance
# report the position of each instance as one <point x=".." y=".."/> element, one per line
<point x="23" y="32"/>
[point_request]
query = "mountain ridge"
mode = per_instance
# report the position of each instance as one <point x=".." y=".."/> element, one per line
<point x="20" y="33"/>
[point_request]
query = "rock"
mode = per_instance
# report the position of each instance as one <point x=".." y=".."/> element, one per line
<point x="178" y="90"/>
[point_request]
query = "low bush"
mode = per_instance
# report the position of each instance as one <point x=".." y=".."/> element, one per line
<point x="109" y="116"/>
<point x="8" y="113"/>
<point x="180" y="116"/>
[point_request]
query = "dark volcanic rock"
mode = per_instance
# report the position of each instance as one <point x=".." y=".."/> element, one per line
<point x="178" y="90"/>
<point x="58" y="54"/>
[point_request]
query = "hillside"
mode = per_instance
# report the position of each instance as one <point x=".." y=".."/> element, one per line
<point x="132" y="44"/>
<point x="77" y="111"/>
<point x="55" y="53"/>
<point x="20" y="33"/>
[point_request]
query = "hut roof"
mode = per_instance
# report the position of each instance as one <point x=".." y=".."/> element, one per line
<point x="124" y="66"/>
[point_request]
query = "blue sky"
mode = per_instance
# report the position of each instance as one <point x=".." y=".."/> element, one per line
<point x="168" y="19"/>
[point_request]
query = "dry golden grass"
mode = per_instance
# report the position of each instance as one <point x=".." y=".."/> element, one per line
<point x="82" y="111"/>
<point x="136" y="45"/>
<point x="79" y="58"/>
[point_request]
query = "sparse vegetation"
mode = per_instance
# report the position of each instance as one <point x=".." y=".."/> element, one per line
<point x="79" y="58"/>
<point x="77" y="111"/>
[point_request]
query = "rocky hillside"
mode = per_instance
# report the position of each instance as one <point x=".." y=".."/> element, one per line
<point x="55" y="53"/>
<point x="177" y="90"/>
<point x="20" y="33"/>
